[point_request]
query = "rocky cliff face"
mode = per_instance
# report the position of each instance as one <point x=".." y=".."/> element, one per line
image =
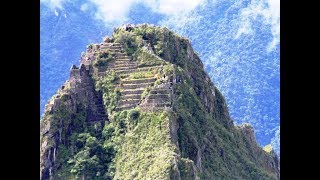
<point x="141" y="106"/>
<point x="75" y="105"/>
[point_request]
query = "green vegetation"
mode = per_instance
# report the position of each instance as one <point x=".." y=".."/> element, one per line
<point x="145" y="92"/>
<point x="111" y="94"/>
<point x="83" y="152"/>
<point x="134" y="114"/>
<point x="186" y="169"/>
<point x="146" y="59"/>
<point x="127" y="39"/>
<point x="200" y="129"/>
<point x="90" y="46"/>
<point x="146" y="148"/>
<point x="140" y="75"/>
<point x="196" y="138"/>
<point x="103" y="59"/>
<point x="93" y="158"/>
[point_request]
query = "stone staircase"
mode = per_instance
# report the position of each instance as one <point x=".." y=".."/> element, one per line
<point x="131" y="89"/>
<point x="158" y="99"/>
<point x="97" y="102"/>
<point x="101" y="113"/>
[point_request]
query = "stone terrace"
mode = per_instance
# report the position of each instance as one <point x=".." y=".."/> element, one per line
<point x="131" y="87"/>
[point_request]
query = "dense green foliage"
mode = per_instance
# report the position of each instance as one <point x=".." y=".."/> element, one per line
<point x="127" y="40"/>
<point x="146" y="150"/>
<point x="191" y="140"/>
<point x="134" y="114"/>
<point x="103" y="59"/>
<point x="84" y="150"/>
<point x="226" y="153"/>
<point x="93" y="158"/>
<point x="111" y="94"/>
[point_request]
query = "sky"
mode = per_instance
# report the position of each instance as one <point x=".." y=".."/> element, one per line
<point x="237" y="40"/>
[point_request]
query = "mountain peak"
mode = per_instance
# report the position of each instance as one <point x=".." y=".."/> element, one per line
<point x="141" y="106"/>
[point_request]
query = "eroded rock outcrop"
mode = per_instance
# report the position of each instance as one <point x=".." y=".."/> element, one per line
<point x="75" y="105"/>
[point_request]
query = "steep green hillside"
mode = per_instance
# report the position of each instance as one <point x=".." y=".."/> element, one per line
<point x="141" y="106"/>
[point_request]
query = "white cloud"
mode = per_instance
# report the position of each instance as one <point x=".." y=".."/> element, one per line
<point x="173" y="7"/>
<point x="56" y="12"/>
<point x="183" y="18"/>
<point x="53" y="4"/>
<point x="244" y="29"/>
<point x="117" y="11"/>
<point x="112" y="11"/>
<point x="179" y="22"/>
<point x="274" y="11"/>
<point x="84" y="7"/>
<point x="270" y="11"/>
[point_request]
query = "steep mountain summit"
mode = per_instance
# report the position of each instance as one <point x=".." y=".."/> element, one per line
<point x="141" y="106"/>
